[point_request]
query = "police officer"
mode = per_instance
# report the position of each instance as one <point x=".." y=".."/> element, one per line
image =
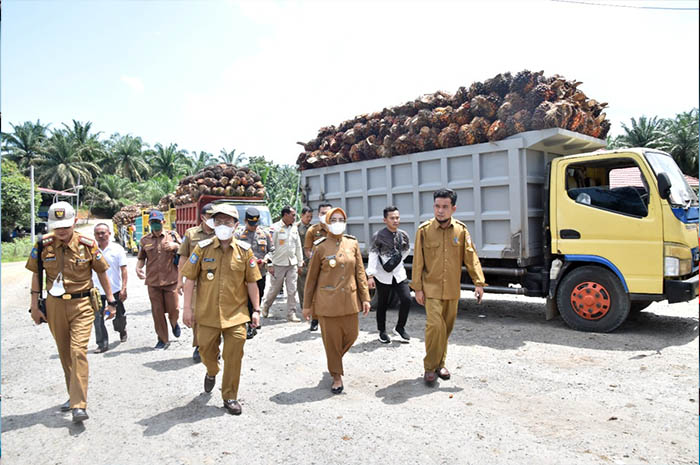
<point x="226" y="272"/>
<point x="303" y="226"/>
<point x="336" y="290"/>
<point x="314" y="233"/>
<point x="442" y="245"/>
<point x="69" y="258"/>
<point x="260" y="242"/>
<point x="192" y="236"/>
<point x="157" y="252"/>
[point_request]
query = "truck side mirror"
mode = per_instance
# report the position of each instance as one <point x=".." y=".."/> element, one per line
<point x="664" y="184"/>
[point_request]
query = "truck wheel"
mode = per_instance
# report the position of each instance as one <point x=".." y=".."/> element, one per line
<point x="591" y="298"/>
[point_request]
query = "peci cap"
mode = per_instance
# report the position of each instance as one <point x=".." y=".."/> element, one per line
<point x="226" y="209"/>
<point x="156" y="215"/>
<point x="207" y="209"/>
<point x="61" y="215"/>
<point x="252" y="215"/>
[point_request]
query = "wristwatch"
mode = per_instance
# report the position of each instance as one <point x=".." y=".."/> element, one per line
<point x="112" y="303"/>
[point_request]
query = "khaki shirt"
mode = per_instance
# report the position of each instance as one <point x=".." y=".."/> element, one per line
<point x="336" y="279"/>
<point x="303" y="228"/>
<point x="79" y="256"/>
<point x="437" y="260"/>
<point x="287" y="245"/>
<point x="189" y="241"/>
<point x="160" y="267"/>
<point x="315" y="231"/>
<point x="221" y="277"/>
<point x="260" y="243"/>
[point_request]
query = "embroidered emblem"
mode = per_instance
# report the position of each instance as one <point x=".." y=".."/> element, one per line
<point x="60" y="213"/>
<point x="35" y="253"/>
<point x="98" y="256"/>
<point x="194" y="258"/>
<point x="251" y="263"/>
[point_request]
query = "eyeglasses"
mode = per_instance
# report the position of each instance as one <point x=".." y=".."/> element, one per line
<point x="222" y="222"/>
<point x="337" y="220"/>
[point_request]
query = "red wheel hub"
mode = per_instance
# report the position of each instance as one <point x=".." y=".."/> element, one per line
<point x="590" y="300"/>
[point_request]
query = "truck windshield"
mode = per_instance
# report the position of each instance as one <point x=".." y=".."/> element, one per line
<point x="681" y="193"/>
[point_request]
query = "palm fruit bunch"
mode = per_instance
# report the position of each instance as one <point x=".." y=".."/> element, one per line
<point x="499" y="107"/>
<point x="222" y="179"/>
<point x="128" y="214"/>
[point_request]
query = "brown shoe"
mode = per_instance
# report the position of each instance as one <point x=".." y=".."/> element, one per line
<point x="429" y="377"/>
<point x="233" y="407"/>
<point x="443" y="373"/>
<point x="209" y="382"/>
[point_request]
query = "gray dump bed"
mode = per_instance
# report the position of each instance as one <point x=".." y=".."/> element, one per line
<point x="499" y="187"/>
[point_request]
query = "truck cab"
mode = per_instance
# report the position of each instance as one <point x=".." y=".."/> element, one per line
<point x="620" y="243"/>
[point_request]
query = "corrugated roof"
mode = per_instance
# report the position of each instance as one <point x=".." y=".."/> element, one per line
<point x="631" y="177"/>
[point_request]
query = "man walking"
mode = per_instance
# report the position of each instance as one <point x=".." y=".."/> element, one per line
<point x="442" y="245"/>
<point x="303" y="226"/>
<point x="157" y="252"/>
<point x="287" y="261"/>
<point x="193" y="235"/>
<point x="313" y="235"/>
<point x="115" y="256"/>
<point x="226" y="273"/>
<point x="68" y="258"/>
<point x="260" y="243"/>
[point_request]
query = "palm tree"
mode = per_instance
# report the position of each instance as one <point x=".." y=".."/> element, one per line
<point x="62" y="165"/>
<point x="231" y="157"/>
<point x="681" y="141"/>
<point x="647" y="132"/>
<point x="168" y="161"/>
<point x="125" y="158"/>
<point x="154" y="189"/>
<point x="111" y="193"/>
<point x="200" y="161"/>
<point x="87" y="145"/>
<point x="25" y="144"/>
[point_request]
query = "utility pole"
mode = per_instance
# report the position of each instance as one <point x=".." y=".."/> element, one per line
<point x="31" y="195"/>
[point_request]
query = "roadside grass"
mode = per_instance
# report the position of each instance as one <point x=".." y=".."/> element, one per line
<point x="16" y="251"/>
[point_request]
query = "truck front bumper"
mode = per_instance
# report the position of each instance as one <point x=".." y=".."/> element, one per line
<point x="681" y="291"/>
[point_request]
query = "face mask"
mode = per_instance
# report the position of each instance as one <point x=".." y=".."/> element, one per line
<point x="337" y="228"/>
<point x="155" y="226"/>
<point x="57" y="290"/>
<point x="210" y="223"/>
<point x="322" y="219"/>
<point x="223" y="232"/>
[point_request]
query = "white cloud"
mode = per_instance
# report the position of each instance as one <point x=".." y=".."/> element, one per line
<point x="134" y="83"/>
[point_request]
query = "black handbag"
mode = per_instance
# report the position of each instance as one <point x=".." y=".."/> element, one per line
<point x="393" y="261"/>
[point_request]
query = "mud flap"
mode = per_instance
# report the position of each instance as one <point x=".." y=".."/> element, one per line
<point x="551" y="311"/>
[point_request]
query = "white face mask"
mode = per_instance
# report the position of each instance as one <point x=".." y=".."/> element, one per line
<point x="337" y="228"/>
<point x="210" y="223"/>
<point x="223" y="232"/>
<point x="322" y="219"/>
<point x="57" y="290"/>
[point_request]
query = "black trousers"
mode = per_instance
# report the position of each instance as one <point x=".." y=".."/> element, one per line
<point x="119" y="321"/>
<point x="383" y="293"/>
<point x="261" y="290"/>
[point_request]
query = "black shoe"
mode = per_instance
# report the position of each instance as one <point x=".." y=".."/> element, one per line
<point x="209" y="382"/>
<point x="122" y="336"/>
<point x="101" y="349"/>
<point x="176" y="330"/>
<point x="250" y="331"/>
<point x="65" y="407"/>
<point x="402" y="334"/>
<point x="383" y="337"/>
<point x="233" y="407"/>
<point x="79" y="415"/>
<point x="160" y="345"/>
<point x="337" y="390"/>
<point x="195" y="356"/>
<point x="314" y="325"/>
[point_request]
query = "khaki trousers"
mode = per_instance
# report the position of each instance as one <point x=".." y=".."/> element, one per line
<point x="339" y="333"/>
<point x="283" y="274"/>
<point x="440" y="318"/>
<point x="70" y="322"/>
<point x="194" y="326"/>
<point x="163" y="300"/>
<point x="301" y="282"/>
<point x="234" y="340"/>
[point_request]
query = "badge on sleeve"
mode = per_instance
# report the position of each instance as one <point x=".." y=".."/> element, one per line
<point x="35" y="253"/>
<point x="98" y="257"/>
<point x="194" y="258"/>
<point x="456" y="239"/>
<point x="252" y="262"/>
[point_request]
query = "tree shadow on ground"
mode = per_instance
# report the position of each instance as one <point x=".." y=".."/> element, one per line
<point x="374" y="344"/>
<point x="170" y="365"/>
<point x="406" y="389"/>
<point x="134" y="350"/>
<point x="301" y="336"/>
<point x="51" y="417"/>
<point x="321" y="391"/>
<point x="195" y="410"/>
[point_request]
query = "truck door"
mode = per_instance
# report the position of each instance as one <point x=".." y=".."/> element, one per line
<point x="606" y="213"/>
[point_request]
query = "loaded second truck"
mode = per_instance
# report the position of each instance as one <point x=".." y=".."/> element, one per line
<point x="550" y="214"/>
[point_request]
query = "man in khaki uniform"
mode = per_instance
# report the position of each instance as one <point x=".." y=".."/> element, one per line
<point x="226" y="273"/>
<point x="313" y="234"/>
<point x="69" y="258"/>
<point x="189" y="242"/>
<point x="303" y="226"/>
<point x="442" y="245"/>
<point x="157" y="252"/>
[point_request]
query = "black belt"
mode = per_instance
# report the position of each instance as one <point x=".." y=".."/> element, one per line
<point x="79" y="295"/>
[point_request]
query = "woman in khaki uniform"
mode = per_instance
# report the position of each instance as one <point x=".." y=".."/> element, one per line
<point x="336" y="290"/>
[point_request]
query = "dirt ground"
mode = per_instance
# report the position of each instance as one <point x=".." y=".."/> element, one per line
<point x="523" y="390"/>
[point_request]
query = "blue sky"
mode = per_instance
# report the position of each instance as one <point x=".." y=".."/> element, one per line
<point x="259" y="76"/>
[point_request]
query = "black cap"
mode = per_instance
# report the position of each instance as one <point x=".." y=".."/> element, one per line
<point x="207" y="209"/>
<point x="252" y="215"/>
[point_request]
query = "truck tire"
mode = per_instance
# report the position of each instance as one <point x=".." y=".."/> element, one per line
<point x="591" y="298"/>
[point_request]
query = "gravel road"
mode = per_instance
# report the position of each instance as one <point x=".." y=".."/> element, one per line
<point x="523" y="390"/>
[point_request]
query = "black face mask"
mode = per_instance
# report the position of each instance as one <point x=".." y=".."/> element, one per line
<point x="156" y="226"/>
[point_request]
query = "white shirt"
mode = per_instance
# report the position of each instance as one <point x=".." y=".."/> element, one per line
<point x="374" y="268"/>
<point x="116" y="257"/>
<point x="287" y="245"/>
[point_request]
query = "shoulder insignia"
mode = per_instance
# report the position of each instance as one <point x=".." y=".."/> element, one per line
<point x="87" y="241"/>
<point x="425" y="225"/>
<point x="318" y="241"/>
<point x="461" y="224"/>
<point x="47" y="240"/>
<point x="205" y="243"/>
<point x="350" y="237"/>
<point x="243" y="245"/>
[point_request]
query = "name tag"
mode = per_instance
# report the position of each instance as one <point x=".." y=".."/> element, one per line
<point x="210" y="259"/>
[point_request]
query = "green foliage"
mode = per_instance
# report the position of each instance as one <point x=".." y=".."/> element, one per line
<point x="154" y="189"/>
<point x="281" y="184"/>
<point x="111" y="194"/>
<point x="231" y="157"/>
<point x="16" y="197"/>
<point x="62" y="164"/>
<point x="198" y="161"/>
<point x="25" y="144"/>
<point x="124" y="157"/>
<point x="17" y="251"/>
<point x="168" y="161"/>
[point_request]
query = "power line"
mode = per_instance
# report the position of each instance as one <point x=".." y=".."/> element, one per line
<point x="626" y="6"/>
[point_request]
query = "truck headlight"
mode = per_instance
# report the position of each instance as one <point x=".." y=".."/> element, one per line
<point x="678" y="260"/>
